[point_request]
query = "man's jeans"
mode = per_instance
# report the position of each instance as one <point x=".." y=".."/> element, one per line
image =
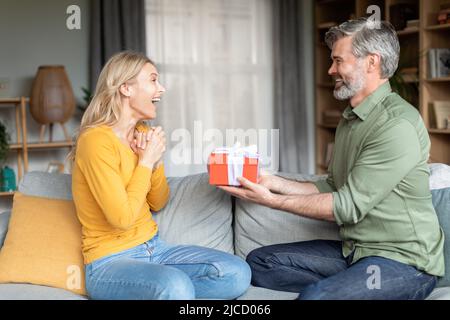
<point x="318" y="270"/>
<point x="157" y="270"/>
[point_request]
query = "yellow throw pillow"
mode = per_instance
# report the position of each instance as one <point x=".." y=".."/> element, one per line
<point x="43" y="244"/>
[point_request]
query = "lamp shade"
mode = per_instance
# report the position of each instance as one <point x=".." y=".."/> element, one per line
<point x="52" y="99"/>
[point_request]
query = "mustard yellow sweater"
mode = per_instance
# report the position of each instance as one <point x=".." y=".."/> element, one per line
<point x="113" y="195"/>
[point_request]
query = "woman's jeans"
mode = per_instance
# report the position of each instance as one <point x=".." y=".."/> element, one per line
<point x="157" y="270"/>
<point x="318" y="270"/>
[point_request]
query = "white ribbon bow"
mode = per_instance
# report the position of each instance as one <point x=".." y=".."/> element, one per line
<point x="235" y="158"/>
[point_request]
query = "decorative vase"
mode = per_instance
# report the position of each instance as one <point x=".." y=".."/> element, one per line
<point x="8" y="180"/>
<point x="52" y="99"/>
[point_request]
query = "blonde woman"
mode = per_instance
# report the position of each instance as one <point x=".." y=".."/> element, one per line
<point x="118" y="179"/>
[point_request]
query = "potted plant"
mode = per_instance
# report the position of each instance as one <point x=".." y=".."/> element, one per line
<point x="4" y="143"/>
<point x="87" y="97"/>
<point x="407" y="90"/>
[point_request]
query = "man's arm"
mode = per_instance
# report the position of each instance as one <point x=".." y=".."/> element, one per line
<point x="317" y="206"/>
<point x="285" y="186"/>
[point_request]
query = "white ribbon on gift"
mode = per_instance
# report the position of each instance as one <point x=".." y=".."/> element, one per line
<point x="235" y="159"/>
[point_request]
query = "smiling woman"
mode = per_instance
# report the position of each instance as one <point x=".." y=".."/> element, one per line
<point x="118" y="180"/>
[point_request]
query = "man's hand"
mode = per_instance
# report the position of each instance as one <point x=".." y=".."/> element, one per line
<point x="254" y="192"/>
<point x="269" y="181"/>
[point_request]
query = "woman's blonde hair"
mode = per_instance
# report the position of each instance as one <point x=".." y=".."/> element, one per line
<point x="105" y="107"/>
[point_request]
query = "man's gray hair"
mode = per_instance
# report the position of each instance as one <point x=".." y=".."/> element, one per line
<point x="369" y="37"/>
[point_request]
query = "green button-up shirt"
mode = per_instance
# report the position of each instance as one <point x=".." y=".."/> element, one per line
<point x="379" y="178"/>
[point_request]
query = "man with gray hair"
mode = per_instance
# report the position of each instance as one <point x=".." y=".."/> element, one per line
<point x="377" y="188"/>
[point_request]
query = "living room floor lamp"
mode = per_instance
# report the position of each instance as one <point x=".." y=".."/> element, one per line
<point x="52" y="99"/>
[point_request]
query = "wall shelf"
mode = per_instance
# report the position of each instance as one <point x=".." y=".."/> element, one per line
<point x="7" y="194"/>
<point x="446" y="79"/>
<point x="408" y="32"/>
<point x="439" y="131"/>
<point x="438" y="27"/>
<point x="22" y="146"/>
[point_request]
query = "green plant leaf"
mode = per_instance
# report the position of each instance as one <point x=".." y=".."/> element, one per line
<point x="4" y="142"/>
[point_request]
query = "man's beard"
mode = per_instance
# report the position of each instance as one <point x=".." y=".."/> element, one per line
<point x="348" y="89"/>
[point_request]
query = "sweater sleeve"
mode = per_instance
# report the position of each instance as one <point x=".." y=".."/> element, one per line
<point x="99" y="163"/>
<point x="158" y="196"/>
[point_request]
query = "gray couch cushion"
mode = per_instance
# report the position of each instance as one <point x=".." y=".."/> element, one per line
<point x="4" y="222"/>
<point x="257" y="226"/>
<point x="441" y="203"/>
<point x="197" y="213"/>
<point x="35" y="292"/>
<point x="47" y="185"/>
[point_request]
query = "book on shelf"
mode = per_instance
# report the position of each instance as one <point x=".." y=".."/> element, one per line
<point x="440" y="114"/>
<point x="438" y="63"/>
<point x="431" y="63"/>
<point x="443" y="62"/>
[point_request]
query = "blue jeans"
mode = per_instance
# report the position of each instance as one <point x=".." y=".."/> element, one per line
<point x="318" y="270"/>
<point x="157" y="270"/>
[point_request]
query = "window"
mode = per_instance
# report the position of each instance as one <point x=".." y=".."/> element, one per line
<point x="215" y="61"/>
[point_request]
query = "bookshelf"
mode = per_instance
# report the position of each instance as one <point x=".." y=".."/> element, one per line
<point x="21" y="147"/>
<point x="415" y="41"/>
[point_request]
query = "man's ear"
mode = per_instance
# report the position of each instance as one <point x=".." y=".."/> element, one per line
<point x="374" y="63"/>
<point x="125" y="90"/>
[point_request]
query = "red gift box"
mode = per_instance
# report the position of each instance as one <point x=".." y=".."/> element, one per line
<point x="225" y="165"/>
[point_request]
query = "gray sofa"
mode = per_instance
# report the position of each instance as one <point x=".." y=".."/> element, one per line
<point x="197" y="213"/>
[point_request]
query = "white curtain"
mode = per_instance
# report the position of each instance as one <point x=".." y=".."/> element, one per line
<point x="215" y="60"/>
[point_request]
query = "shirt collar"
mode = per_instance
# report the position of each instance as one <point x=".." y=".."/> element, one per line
<point x="366" y="106"/>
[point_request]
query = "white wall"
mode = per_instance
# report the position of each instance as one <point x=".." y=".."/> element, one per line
<point x="34" y="33"/>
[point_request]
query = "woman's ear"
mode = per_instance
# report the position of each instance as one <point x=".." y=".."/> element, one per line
<point x="125" y="90"/>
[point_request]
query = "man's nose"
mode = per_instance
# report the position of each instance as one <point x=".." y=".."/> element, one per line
<point x="332" y="69"/>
